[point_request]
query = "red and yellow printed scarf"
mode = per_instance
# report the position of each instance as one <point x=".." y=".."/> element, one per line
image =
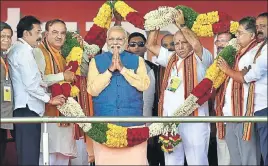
<point x="189" y="78"/>
<point x="237" y="97"/>
<point x="55" y="63"/>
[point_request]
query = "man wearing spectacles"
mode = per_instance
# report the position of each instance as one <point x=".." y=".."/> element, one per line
<point x="116" y="80"/>
<point x="223" y="155"/>
<point x="241" y="137"/>
<point x="136" y="45"/>
<point x="6" y="103"/>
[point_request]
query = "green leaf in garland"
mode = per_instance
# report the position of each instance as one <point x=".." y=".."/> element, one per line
<point x="189" y="15"/>
<point x="228" y="54"/>
<point x="98" y="132"/>
<point x="69" y="43"/>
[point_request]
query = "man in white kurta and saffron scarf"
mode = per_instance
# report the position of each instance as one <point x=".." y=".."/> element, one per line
<point x="184" y="70"/>
<point x="116" y="80"/>
<point x="62" y="143"/>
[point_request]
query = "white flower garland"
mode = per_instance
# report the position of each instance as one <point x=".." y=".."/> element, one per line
<point x="91" y="49"/>
<point x="159" y="18"/>
<point x="233" y="43"/>
<point x="188" y="106"/>
<point x="72" y="109"/>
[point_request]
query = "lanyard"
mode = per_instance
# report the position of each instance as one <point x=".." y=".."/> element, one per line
<point x="6" y="67"/>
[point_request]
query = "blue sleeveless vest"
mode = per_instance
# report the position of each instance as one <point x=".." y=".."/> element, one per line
<point x="119" y="98"/>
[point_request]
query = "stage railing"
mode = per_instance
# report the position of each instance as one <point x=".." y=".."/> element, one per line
<point x="45" y="120"/>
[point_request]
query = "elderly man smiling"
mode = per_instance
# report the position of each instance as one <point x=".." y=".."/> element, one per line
<point x="116" y="80"/>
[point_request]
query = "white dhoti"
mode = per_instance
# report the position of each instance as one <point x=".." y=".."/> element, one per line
<point x="61" y="144"/>
<point x="195" y="143"/>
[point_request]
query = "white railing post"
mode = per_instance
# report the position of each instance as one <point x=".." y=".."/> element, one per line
<point x="45" y="146"/>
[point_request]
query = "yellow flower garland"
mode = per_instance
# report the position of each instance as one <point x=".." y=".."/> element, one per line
<point x="74" y="91"/>
<point x="207" y="18"/>
<point x="123" y="9"/>
<point x="202" y="30"/>
<point x="101" y="18"/>
<point x="234" y="26"/>
<point x="116" y="136"/>
<point x="203" y="24"/>
<point x="215" y="75"/>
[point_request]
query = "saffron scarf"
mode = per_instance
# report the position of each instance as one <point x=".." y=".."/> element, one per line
<point x="237" y="97"/>
<point x="55" y="63"/>
<point x="189" y="78"/>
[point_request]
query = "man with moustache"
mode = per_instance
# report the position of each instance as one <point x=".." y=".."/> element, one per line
<point x="116" y="80"/>
<point x="261" y="26"/>
<point x="29" y="90"/>
<point x="185" y="67"/>
<point x="234" y="97"/>
<point x="255" y="76"/>
<point x="62" y="145"/>
<point x="136" y="45"/>
<point x="6" y="88"/>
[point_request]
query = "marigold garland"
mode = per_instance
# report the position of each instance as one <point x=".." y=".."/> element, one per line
<point x="101" y="20"/>
<point x="123" y="9"/>
<point x="204" y="25"/>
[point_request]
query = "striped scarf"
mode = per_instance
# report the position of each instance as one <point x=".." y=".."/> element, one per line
<point x="250" y="100"/>
<point x="55" y="63"/>
<point x="189" y="78"/>
<point x="237" y="97"/>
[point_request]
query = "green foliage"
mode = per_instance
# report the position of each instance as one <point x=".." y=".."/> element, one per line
<point x="189" y="15"/>
<point x="69" y="43"/>
<point x="98" y="132"/>
<point x="228" y="54"/>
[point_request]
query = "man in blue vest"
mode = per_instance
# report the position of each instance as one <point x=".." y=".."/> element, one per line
<point x="116" y="80"/>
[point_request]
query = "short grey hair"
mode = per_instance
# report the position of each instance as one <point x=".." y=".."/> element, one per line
<point x="118" y="28"/>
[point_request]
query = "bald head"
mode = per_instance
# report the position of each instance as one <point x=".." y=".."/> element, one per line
<point x="167" y="42"/>
<point x="182" y="47"/>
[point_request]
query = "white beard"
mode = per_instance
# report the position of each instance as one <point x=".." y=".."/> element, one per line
<point x="121" y="49"/>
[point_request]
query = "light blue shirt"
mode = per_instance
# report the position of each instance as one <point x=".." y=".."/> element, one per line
<point x="26" y="78"/>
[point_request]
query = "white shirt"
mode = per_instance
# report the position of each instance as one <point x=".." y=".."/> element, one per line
<point x="26" y="78"/>
<point x="172" y="100"/>
<point x="244" y="61"/>
<point x="258" y="73"/>
<point x="148" y="95"/>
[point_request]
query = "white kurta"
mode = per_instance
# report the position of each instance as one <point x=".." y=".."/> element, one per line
<point x="244" y="61"/>
<point x="195" y="136"/>
<point x="61" y="139"/>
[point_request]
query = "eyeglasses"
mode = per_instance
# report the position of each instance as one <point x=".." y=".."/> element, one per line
<point x="134" y="44"/>
<point x="8" y="37"/>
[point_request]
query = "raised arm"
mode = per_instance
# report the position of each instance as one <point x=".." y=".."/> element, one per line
<point x="151" y="43"/>
<point x="189" y="35"/>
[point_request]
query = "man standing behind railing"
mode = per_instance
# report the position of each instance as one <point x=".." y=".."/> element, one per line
<point x="116" y="80"/>
<point x="233" y="98"/>
<point x="184" y="69"/>
<point x="29" y="91"/>
<point x="62" y="144"/>
<point x="6" y="88"/>
<point x="256" y="79"/>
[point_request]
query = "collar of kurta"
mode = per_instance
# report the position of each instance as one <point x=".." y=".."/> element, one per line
<point x="24" y="42"/>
